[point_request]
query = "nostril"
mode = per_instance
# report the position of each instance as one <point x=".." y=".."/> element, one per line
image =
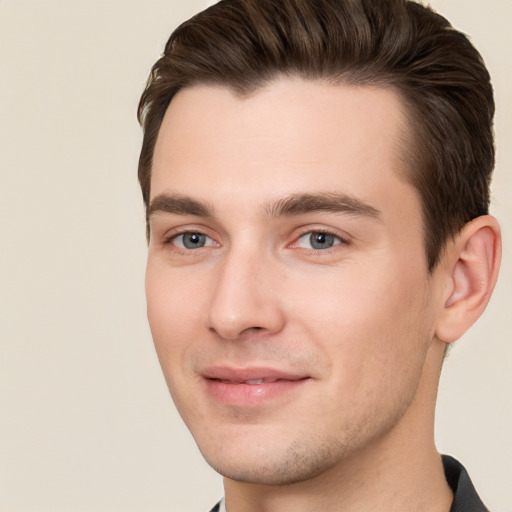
<point x="253" y="329"/>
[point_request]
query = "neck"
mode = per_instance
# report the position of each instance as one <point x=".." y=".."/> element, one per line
<point x="401" y="471"/>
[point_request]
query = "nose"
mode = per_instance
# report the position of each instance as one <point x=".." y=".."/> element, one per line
<point x="245" y="297"/>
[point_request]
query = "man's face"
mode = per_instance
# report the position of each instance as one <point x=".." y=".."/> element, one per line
<point x="287" y="286"/>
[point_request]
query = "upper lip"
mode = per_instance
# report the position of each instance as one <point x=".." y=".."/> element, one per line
<point x="230" y="374"/>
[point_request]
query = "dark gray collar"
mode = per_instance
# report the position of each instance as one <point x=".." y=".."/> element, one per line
<point x="465" y="498"/>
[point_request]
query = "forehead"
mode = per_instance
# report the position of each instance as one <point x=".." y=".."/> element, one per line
<point x="293" y="134"/>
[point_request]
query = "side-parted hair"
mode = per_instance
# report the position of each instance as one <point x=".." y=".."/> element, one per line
<point x="398" y="44"/>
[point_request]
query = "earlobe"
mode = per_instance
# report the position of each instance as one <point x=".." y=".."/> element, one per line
<point x="473" y="261"/>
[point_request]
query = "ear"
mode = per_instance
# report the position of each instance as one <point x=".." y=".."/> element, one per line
<point x="471" y="264"/>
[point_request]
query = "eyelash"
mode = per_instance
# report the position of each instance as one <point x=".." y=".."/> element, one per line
<point x="341" y="241"/>
<point x="169" y="241"/>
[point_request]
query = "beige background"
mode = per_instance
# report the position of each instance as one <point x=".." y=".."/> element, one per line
<point x="85" y="420"/>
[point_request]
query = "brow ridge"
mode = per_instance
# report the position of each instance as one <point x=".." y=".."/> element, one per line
<point x="179" y="205"/>
<point x="300" y="204"/>
<point x="295" y="204"/>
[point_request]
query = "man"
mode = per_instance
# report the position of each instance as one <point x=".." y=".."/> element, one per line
<point x="316" y="177"/>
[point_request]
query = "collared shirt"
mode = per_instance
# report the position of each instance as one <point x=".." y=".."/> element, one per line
<point x="220" y="507"/>
<point x="465" y="498"/>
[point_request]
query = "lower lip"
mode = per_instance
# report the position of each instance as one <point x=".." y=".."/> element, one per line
<point x="249" y="395"/>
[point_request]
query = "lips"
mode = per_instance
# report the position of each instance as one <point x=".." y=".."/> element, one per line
<point x="250" y="387"/>
<point x="252" y="381"/>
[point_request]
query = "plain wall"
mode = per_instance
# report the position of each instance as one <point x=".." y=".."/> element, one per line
<point x="86" y="423"/>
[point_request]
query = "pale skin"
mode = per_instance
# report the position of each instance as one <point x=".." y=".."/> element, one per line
<point x="335" y="295"/>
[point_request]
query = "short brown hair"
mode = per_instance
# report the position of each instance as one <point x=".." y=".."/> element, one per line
<point x="440" y="76"/>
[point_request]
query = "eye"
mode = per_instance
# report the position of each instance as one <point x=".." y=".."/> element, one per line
<point x="318" y="240"/>
<point x="192" y="240"/>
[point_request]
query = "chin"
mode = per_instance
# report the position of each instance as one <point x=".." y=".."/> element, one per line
<point x="271" y="466"/>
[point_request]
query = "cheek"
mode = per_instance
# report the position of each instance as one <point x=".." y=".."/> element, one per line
<point x="351" y="299"/>
<point x="172" y="310"/>
<point x="372" y="325"/>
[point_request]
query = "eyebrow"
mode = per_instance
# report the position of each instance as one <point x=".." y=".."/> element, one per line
<point x="300" y="204"/>
<point x="178" y="205"/>
<point x="295" y="204"/>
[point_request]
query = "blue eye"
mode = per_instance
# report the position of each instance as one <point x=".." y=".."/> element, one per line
<point x="318" y="241"/>
<point x="192" y="240"/>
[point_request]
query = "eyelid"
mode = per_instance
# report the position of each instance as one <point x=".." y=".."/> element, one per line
<point x="344" y="239"/>
<point x="171" y="235"/>
<point x="168" y="237"/>
<point x="209" y="242"/>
